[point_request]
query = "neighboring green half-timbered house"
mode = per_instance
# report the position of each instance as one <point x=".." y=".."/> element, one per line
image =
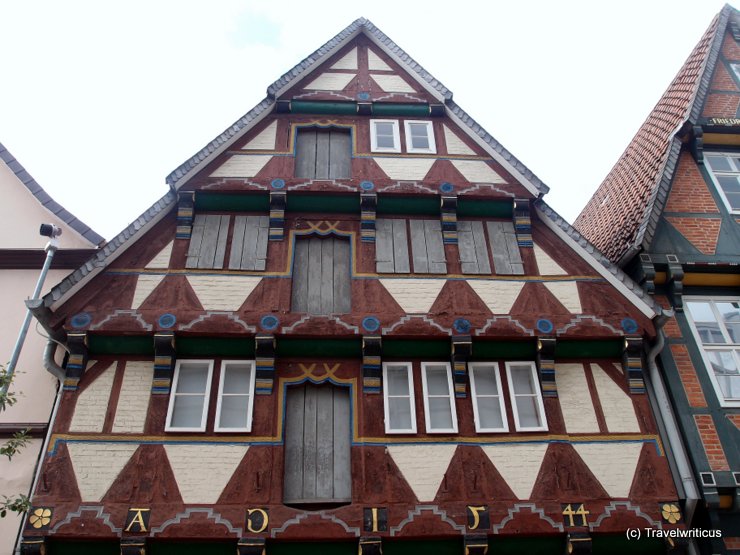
<point x="352" y="321"/>
<point x="669" y="214"/>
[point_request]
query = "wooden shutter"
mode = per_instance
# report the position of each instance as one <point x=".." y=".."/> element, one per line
<point x="471" y="242"/>
<point x="427" y="247"/>
<point x="391" y="247"/>
<point x="505" y="249"/>
<point x="317" y="444"/>
<point x="323" y="154"/>
<point x="249" y="244"/>
<point x="321" y="276"/>
<point x="208" y="241"/>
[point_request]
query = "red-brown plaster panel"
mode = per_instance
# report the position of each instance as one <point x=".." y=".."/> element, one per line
<point x="652" y="478"/>
<point x="473" y="478"/>
<point x="536" y="301"/>
<point x="457" y="299"/>
<point x="174" y="293"/>
<point x="146" y="479"/>
<point x="601" y="299"/>
<point x="565" y="257"/>
<point x="565" y="477"/>
<point x="149" y="245"/>
<point x="102" y="295"/>
<point x="376" y="478"/>
<point x="57" y="481"/>
<point x="256" y="472"/>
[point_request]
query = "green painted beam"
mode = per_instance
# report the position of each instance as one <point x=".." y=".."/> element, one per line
<point x="412" y="206"/>
<point x="353" y="108"/>
<point x="326" y="348"/>
<point x="121" y="344"/>
<point x="572" y="348"/>
<point x="416" y="348"/>
<point x="323" y="203"/>
<point x="235" y="202"/>
<point x="480" y="208"/>
<point x="510" y="350"/>
<point x="215" y="346"/>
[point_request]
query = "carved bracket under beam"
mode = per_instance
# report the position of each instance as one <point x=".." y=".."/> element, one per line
<point x="674" y="280"/>
<point x="368" y="206"/>
<point x="462" y="350"/>
<point x="278" y="201"/>
<point x="546" y="366"/>
<point x="164" y="362"/>
<point x="448" y="214"/>
<point x="185" y="213"/>
<point x="579" y="543"/>
<point x="33" y="545"/>
<point x="476" y="544"/>
<point x="632" y="364"/>
<point x="371" y="363"/>
<point x="264" y="350"/>
<point x="251" y="546"/>
<point x="697" y="144"/>
<point x="646" y="273"/>
<point x="133" y="546"/>
<point x="77" y="360"/>
<point x="370" y="545"/>
<point x="523" y="223"/>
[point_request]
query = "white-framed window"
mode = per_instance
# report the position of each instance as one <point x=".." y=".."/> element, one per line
<point x="191" y="389"/>
<point x="725" y="171"/>
<point x="526" y="397"/>
<point x="439" y="398"/>
<point x="384" y="135"/>
<point x="489" y="410"/>
<point x="420" y="137"/>
<point x="398" y="398"/>
<point x="715" y="322"/>
<point x="235" y="396"/>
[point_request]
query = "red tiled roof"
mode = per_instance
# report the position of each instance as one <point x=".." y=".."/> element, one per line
<point x="613" y="219"/>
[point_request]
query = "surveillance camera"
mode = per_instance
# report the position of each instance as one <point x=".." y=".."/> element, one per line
<point x="50" y="230"/>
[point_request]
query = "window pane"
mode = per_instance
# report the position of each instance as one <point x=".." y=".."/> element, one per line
<point x="734" y="200"/>
<point x="522" y="378"/>
<point x="237" y="378"/>
<point x="384" y="136"/>
<point x="489" y="411"/>
<point x="706" y="322"/>
<point x="529" y="416"/>
<point x="437" y="380"/>
<point x="399" y="413"/>
<point x="188" y="411"/>
<point x="419" y="136"/>
<point x="724" y="365"/>
<point x="730" y="313"/>
<point x="440" y="416"/>
<point x="398" y="381"/>
<point x="485" y="381"/>
<point x="192" y="378"/>
<point x="729" y="183"/>
<point x="718" y="163"/>
<point x="234" y="411"/>
<point x="701" y="311"/>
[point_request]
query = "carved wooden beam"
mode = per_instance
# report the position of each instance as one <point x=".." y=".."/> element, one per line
<point x="77" y="360"/>
<point x="185" y="212"/>
<point x="278" y="201"/>
<point x="448" y="214"/>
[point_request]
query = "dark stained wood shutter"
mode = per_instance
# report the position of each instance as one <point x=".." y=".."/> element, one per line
<point x="317" y="445"/>
<point x="323" y="153"/>
<point x="321" y="276"/>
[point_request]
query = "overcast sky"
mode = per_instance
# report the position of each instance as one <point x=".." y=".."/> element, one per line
<point x="100" y="100"/>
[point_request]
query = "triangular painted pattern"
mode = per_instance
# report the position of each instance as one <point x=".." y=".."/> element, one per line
<point x="223" y="292"/>
<point x="374" y="62"/>
<point x="348" y="61"/>
<point x="203" y="470"/>
<point x="477" y="171"/>
<point x="415" y="296"/>
<point x="265" y="140"/>
<point x="423" y="466"/>
<point x="96" y="466"/>
<point x="411" y="169"/>
<point x="242" y="165"/>
<point x="162" y="260"/>
<point x="331" y="81"/>
<point x="92" y="403"/>
<point x="567" y="293"/>
<point x="145" y="284"/>
<point x="546" y="265"/>
<point x="499" y="296"/>
<point x="519" y="465"/>
<point x="455" y="145"/>
<point x="613" y="464"/>
<point x="392" y="83"/>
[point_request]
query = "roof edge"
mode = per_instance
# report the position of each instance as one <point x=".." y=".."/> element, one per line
<point x="46" y="201"/>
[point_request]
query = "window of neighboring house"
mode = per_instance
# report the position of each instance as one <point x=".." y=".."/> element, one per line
<point x="725" y="171"/>
<point x="323" y="153"/>
<point x="384" y="135"/>
<point x="526" y="397"/>
<point x="188" y="406"/>
<point x="489" y="411"/>
<point x="439" y="398"/>
<point x="235" y="396"/>
<point x="715" y="323"/>
<point x="420" y="137"/>
<point x="321" y="275"/>
<point x="398" y="398"/>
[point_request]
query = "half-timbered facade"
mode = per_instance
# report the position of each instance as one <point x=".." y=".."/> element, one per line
<point x="352" y="320"/>
<point x="669" y="214"/>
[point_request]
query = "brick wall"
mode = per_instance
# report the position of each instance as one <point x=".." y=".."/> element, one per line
<point x="722" y="80"/>
<point x="732" y="543"/>
<point x="701" y="232"/>
<point x="721" y="105"/>
<point x="735" y="419"/>
<point x="710" y="440"/>
<point x="689" y="192"/>
<point x="687" y="373"/>
<point x="671" y="328"/>
<point x="730" y="48"/>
